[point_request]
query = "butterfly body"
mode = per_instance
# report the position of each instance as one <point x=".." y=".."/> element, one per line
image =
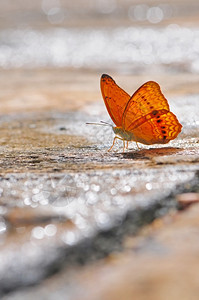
<point x="125" y="135"/>
<point x="130" y="136"/>
<point x="144" y="117"/>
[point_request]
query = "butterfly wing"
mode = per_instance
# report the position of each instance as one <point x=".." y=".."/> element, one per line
<point x="153" y="132"/>
<point x="148" y="117"/>
<point x="115" y="99"/>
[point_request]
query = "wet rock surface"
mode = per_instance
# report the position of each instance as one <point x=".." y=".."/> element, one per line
<point x="161" y="262"/>
<point x="66" y="201"/>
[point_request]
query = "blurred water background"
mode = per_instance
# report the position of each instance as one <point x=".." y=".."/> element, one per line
<point x="126" y="36"/>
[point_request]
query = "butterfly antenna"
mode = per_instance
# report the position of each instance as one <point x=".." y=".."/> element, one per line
<point x="102" y="123"/>
<point x="106" y="123"/>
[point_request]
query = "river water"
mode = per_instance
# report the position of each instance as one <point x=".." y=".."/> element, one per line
<point x="124" y="36"/>
<point x="127" y="49"/>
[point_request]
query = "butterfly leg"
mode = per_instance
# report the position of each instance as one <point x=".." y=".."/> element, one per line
<point x="112" y="144"/>
<point x="138" y="146"/>
<point x="124" y="146"/>
<point x="116" y="137"/>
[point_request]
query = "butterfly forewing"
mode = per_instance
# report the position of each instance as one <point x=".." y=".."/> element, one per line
<point x="147" y="99"/>
<point x="115" y="99"/>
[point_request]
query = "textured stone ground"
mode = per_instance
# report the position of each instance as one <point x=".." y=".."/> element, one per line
<point x="66" y="200"/>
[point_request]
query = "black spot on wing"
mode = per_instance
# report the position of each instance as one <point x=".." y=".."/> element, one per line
<point x="105" y="76"/>
<point x="154" y="112"/>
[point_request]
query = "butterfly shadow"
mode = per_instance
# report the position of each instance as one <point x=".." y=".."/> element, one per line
<point x="151" y="152"/>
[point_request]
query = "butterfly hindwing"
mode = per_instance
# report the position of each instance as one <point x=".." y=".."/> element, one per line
<point x="158" y="130"/>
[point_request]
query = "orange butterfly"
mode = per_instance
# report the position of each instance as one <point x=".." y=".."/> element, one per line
<point x="144" y="117"/>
